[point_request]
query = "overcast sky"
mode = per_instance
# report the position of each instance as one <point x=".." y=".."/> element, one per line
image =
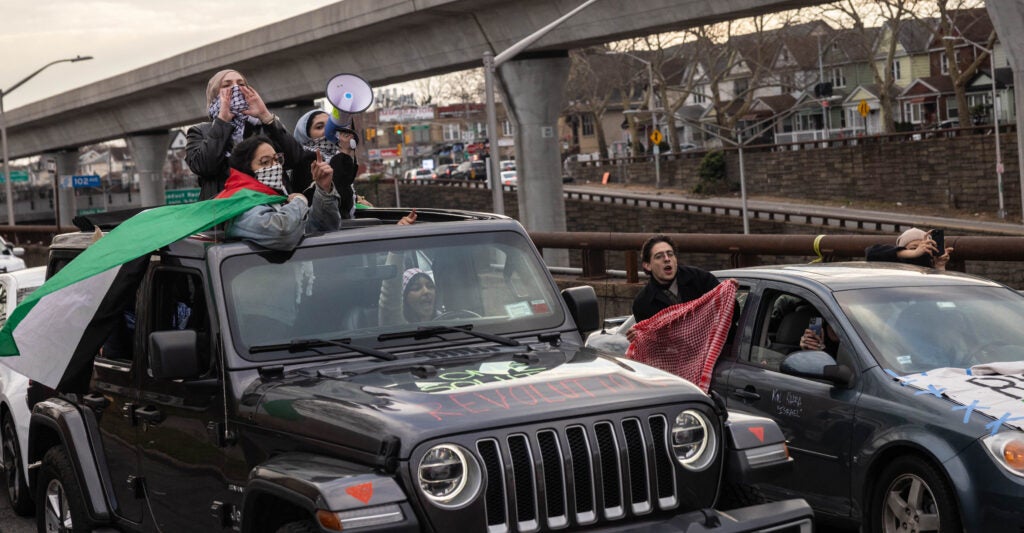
<point x="121" y="35"/>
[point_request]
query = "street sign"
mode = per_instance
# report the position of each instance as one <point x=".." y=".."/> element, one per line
<point x="181" y="196"/>
<point x="863" y="108"/>
<point x="82" y="182"/>
<point x="91" y="210"/>
<point x="16" y="176"/>
<point x="179" y="142"/>
<point x="656" y="137"/>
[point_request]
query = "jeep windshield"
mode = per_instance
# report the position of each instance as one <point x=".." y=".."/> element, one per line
<point x="374" y="293"/>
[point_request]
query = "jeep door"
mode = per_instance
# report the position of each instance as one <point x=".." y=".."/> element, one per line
<point x="186" y="466"/>
<point x="816" y="417"/>
<point x="112" y="396"/>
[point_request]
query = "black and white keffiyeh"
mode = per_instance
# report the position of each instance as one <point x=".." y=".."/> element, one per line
<point x="272" y="177"/>
<point x="238" y="105"/>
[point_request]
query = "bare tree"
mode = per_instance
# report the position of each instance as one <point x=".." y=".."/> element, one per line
<point x="960" y="20"/>
<point x="668" y="59"/>
<point x="738" y="67"/>
<point x="589" y="92"/>
<point x="862" y="17"/>
<point x="427" y="91"/>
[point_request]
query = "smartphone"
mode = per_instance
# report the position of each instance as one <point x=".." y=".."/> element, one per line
<point x="939" y="236"/>
<point x="815" y="326"/>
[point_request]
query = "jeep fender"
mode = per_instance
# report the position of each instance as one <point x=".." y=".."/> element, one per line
<point x="312" y="482"/>
<point x="755" y="449"/>
<point x="56" y="421"/>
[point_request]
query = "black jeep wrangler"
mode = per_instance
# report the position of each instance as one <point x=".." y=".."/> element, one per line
<point x="253" y="390"/>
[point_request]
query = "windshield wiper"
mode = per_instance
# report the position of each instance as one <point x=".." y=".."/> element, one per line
<point x="296" y="345"/>
<point x="435" y="331"/>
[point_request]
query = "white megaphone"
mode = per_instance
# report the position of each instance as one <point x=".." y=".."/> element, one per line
<point x="349" y="94"/>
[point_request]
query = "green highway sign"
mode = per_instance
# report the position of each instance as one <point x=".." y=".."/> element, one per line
<point x="16" y="176"/>
<point x="181" y="196"/>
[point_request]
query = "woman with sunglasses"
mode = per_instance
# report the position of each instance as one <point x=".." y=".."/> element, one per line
<point x="257" y="165"/>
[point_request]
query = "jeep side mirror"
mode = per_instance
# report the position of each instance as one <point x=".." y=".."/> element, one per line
<point x="584" y="308"/>
<point x="817" y="365"/>
<point x="174" y="355"/>
<point x="18" y="251"/>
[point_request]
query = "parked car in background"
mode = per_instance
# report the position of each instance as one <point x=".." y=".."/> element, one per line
<point x="508" y="177"/>
<point x="445" y="171"/>
<point x="470" y="170"/>
<point x="418" y="174"/>
<point x="10" y="256"/>
<point x="508" y="164"/>
<point x="14" y="411"/>
<point x="911" y="418"/>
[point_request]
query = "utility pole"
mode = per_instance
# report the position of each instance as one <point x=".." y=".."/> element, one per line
<point x="491" y="64"/>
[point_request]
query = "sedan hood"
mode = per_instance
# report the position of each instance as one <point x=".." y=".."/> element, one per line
<point x="981" y="389"/>
<point x="416" y="400"/>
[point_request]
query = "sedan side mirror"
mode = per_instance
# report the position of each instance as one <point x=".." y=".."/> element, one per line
<point x="817" y="365"/>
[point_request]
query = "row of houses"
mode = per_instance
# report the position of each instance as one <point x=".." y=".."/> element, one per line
<point x="806" y="82"/>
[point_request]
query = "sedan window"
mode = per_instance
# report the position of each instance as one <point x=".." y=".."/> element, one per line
<point x="784" y="318"/>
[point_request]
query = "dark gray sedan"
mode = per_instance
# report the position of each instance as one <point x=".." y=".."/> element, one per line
<point x="911" y="417"/>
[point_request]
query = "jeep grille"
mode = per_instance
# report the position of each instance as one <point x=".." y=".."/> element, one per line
<point x="596" y="471"/>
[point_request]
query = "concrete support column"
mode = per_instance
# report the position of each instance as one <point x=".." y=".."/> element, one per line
<point x="66" y="166"/>
<point x="149" y="151"/>
<point x="535" y="92"/>
<point x="1008" y="18"/>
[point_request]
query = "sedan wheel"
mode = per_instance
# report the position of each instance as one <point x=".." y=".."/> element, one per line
<point x="913" y="497"/>
<point x="14" y="475"/>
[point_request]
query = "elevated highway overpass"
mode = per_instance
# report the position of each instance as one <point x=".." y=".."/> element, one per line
<point x="385" y="41"/>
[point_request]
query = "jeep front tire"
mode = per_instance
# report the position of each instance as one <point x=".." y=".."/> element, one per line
<point x="61" y="506"/>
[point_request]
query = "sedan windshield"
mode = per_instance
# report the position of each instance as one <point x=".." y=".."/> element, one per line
<point x="916" y="329"/>
<point x="359" y="293"/>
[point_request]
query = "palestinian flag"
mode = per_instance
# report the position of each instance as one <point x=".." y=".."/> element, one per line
<point x="58" y="329"/>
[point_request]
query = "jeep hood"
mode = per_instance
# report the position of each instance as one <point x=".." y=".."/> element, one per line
<point x="417" y="401"/>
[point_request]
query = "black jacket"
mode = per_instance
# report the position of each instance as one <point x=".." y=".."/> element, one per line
<point x="345" y="168"/>
<point x="210" y="142"/>
<point x="887" y="252"/>
<point x="692" y="283"/>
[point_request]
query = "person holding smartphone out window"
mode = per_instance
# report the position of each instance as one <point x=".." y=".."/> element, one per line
<point x="914" y="247"/>
<point x="820" y="336"/>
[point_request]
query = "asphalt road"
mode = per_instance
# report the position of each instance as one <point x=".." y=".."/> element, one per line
<point x="12" y="523"/>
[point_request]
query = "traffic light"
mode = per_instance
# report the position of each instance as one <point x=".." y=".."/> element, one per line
<point x="398" y="129"/>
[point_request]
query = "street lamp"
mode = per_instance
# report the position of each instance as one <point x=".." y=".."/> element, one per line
<point x="654" y="116"/>
<point x="995" y="115"/>
<point x="3" y="132"/>
<point x="491" y="63"/>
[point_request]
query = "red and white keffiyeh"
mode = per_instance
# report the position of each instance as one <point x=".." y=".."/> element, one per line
<point x="686" y="339"/>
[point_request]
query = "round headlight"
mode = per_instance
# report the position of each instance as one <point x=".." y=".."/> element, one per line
<point x="449" y="476"/>
<point x="693" y="440"/>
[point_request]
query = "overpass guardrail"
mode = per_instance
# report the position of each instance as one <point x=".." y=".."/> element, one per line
<point x="746" y="250"/>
